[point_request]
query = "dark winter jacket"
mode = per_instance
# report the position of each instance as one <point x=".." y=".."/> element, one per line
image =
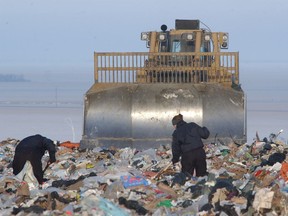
<point x="32" y="149"/>
<point x="187" y="137"/>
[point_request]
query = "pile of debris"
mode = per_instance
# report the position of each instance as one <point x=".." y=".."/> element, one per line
<point x="243" y="180"/>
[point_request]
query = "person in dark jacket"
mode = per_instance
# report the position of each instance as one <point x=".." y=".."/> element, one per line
<point x="187" y="144"/>
<point x="32" y="149"/>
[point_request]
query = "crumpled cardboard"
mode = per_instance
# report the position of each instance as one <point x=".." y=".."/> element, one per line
<point x="23" y="189"/>
<point x="263" y="199"/>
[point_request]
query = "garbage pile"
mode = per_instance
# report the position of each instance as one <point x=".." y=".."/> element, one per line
<point x="242" y="180"/>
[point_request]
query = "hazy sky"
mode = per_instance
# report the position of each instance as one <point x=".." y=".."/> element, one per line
<point x="63" y="34"/>
<point x="52" y="36"/>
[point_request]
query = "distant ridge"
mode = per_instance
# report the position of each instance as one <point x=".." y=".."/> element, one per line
<point x="12" y="78"/>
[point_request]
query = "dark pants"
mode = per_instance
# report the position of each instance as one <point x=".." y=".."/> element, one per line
<point x="194" y="160"/>
<point x="20" y="159"/>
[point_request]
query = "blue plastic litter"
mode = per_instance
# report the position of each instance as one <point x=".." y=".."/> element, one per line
<point x="130" y="181"/>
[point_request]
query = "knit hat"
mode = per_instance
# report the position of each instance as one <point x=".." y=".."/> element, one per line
<point x="176" y="119"/>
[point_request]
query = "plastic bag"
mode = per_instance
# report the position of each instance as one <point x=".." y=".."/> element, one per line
<point x="130" y="181"/>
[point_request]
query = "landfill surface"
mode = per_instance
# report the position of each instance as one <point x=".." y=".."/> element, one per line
<point x="249" y="179"/>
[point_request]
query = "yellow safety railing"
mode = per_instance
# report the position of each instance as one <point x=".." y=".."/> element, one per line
<point x="143" y="67"/>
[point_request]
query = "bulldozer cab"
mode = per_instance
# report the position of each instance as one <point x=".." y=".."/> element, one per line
<point x="180" y="39"/>
<point x="136" y="94"/>
<point x="189" y="47"/>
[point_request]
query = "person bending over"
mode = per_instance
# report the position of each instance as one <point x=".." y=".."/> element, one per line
<point x="32" y="149"/>
<point x="187" y="144"/>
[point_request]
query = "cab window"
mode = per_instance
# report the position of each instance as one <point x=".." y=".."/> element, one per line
<point x="176" y="46"/>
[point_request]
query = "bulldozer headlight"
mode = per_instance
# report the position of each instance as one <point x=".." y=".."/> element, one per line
<point x="145" y="36"/>
<point x="189" y="37"/>
<point x="224" y="38"/>
<point x="207" y="37"/>
<point x="162" y="36"/>
<point x="224" y="45"/>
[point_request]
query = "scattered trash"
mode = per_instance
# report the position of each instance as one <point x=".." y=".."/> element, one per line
<point x="130" y="181"/>
<point x="69" y="144"/>
<point x="242" y="180"/>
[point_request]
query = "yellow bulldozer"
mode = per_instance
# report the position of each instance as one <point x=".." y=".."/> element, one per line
<point x="136" y="94"/>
